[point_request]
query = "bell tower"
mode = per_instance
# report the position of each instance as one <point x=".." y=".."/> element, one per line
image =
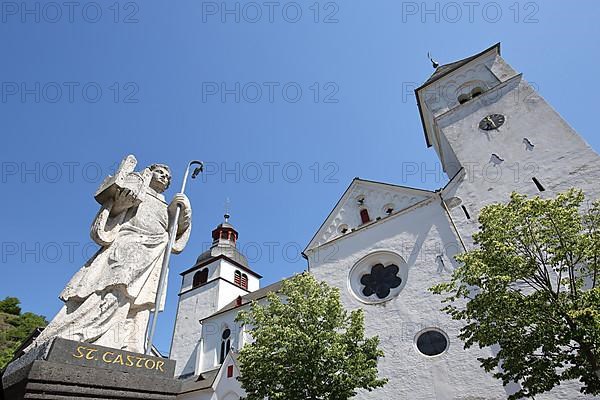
<point x="494" y="134"/>
<point x="219" y="276"/>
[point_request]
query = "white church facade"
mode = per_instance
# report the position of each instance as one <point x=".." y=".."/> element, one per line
<point x="384" y="245"/>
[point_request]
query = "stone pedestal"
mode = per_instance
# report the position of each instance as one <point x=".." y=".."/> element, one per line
<point x="65" y="370"/>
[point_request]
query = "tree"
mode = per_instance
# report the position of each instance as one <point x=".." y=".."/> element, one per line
<point x="15" y="327"/>
<point x="306" y="346"/>
<point x="10" y="305"/>
<point x="531" y="286"/>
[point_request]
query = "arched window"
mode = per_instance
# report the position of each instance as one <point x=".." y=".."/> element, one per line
<point x="240" y="279"/>
<point x="470" y="90"/>
<point x="388" y="209"/>
<point x="463" y="98"/>
<point x="200" y="278"/>
<point x="476" y="92"/>
<point x="225" y="344"/>
<point x="364" y="216"/>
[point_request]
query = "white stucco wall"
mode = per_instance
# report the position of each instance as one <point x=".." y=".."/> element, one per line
<point x="198" y="303"/>
<point x="560" y="159"/>
<point x="418" y="237"/>
<point x="193" y="305"/>
<point x="212" y="330"/>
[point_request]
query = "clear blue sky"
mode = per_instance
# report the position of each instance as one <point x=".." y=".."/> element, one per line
<point x="158" y="68"/>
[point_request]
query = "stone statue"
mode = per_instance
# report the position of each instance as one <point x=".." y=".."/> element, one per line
<point x="109" y="300"/>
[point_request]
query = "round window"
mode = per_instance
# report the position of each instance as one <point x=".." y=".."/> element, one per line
<point x="226" y="334"/>
<point x="378" y="277"/>
<point x="432" y="342"/>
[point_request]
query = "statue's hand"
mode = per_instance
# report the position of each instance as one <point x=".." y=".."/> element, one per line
<point x="124" y="199"/>
<point x="185" y="216"/>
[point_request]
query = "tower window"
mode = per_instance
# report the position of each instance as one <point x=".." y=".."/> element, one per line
<point x="469" y="90"/>
<point x="466" y="212"/>
<point x="200" y="278"/>
<point x="538" y="185"/>
<point x="225" y="344"/>
<point x="476" y="92"/>
<point x="240" y="279"/>
<point x="364" y="216"/>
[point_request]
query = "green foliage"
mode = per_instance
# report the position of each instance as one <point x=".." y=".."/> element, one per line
<point x="306" y="346"/>
<point x="10" y="305"/>
<point x="531" y="286"/>
<point x="15" y="327"/>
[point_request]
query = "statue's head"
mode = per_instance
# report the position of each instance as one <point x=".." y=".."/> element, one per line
<point x="161" y="177"/>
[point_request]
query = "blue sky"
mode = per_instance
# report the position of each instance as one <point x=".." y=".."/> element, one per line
<point x="324" y="95"/>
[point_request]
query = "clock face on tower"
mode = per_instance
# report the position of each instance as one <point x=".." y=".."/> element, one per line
<point x="492" y="121"/>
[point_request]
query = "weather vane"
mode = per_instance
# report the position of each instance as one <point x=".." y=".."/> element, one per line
<point x="434" y="63"/>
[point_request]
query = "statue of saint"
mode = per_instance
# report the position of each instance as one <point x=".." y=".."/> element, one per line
<point x="109" y="300"/>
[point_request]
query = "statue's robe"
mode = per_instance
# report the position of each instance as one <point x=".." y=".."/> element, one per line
<point x="108" y="301"/>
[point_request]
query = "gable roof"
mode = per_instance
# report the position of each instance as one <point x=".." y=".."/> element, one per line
<point x="205" y="261"/>
<point x="445" y="69"/>
<point x="377" y="194"/>
<point x="207" y="379"/>
<point x="248" y="298"/>
<point x="442" y="71"/>
<point x="199" y="382"/>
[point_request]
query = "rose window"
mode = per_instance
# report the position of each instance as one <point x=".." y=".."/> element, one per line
<point x="378" y="277"/>
<point x="381" y="280"/>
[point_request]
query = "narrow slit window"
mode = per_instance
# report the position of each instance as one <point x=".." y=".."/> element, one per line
<point x="466" y="212"/>
<point x="538" y="184"/>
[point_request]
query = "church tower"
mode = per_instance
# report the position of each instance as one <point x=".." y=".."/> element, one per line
<point x="219" y="276"/>
<point x="494" y="134"/>
<point x="384" y="246"/>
